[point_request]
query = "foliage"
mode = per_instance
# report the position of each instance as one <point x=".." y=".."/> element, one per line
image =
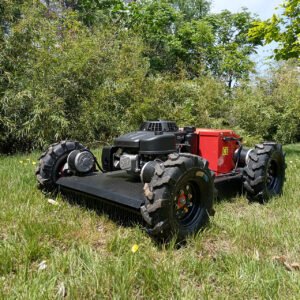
<point x="90" y="12"/>
<point x="283" y="29"/>
<point x="45" y="90"/>
<point x="230" y="59"/>
<point x="192" y="9"/>
<point x="66" y="75"/>
<point x="9" y="13"/>
<point x="211" y="43"/>
<point x="198" y="102"/>
<point x="156" y="21"/>
<point x="271" y="109"/>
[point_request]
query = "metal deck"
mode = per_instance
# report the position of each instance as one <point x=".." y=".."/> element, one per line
<point x="118" y="189"/>
<point x="115" y="186"/>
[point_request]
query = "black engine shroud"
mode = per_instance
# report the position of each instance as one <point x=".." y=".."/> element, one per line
<point x="155" y="139"/>
<point x="148" y="142"/>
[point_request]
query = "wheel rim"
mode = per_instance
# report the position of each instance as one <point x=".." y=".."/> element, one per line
<point x="272" y="175"/>
<point x="187" y="202"/>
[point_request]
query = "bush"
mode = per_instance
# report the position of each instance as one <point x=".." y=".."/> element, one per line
<point x="189" y="102"/>
<point x="270" y="109"/>
<point x="70" y="83"/>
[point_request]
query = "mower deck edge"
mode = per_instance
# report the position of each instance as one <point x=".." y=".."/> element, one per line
<point x="116" y="187"/>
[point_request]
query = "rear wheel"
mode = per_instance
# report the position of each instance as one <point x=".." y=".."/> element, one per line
<point x="264" y="174"/>
<point x="51" y="164"/>
<point x="179" y="198"/>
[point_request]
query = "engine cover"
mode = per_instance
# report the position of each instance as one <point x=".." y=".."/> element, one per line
<point x="148" y="142"/>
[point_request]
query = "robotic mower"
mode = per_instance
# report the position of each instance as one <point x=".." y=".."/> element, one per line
<point x="167" y="175"/>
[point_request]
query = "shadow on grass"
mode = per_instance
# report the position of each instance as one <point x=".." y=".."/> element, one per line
<point x="227" y="191"/>
<point x="228" y="197"/>
<point x="130" y="218"/>
<point x="122" y="217"/>
<point x="119" y="214"/>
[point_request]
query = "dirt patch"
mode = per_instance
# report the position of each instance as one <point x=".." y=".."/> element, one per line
<point x="213" y="246"/>
<point x="97" y="235"/>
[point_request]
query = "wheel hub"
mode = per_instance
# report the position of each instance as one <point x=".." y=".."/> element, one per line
<point x="183" y="202"/>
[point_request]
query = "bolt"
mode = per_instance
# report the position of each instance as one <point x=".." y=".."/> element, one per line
<point x="182" y="201"/>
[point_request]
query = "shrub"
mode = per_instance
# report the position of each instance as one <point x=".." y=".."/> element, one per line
<point x="271" y="108"/>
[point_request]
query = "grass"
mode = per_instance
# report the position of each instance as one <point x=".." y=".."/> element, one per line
<point x="247" y="252"/>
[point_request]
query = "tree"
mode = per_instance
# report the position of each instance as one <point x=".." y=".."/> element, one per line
<point x="283" y="29"/>
<point x="192" y="9"/>
<point x="230" y="58"/>
<point x="196" y="41"/>
<point x="157" y="22"/>
<point x="215" y="43"/>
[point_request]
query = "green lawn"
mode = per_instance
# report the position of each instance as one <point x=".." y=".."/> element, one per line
<point x="247" y="252"/>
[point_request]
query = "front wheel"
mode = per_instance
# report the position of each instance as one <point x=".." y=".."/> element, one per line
<point x="179" y="197"/>
<point x="52" y="162"/>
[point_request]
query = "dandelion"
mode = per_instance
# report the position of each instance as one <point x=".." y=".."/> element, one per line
<point x="134" y="248"/>
<point x="20" y="161"/>
<point x="34" y="163"/>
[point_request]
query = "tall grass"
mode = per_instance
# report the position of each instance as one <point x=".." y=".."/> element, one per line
<point x="247" y="252"/>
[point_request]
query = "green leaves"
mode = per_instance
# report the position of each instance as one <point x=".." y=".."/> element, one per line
<point x="89" y="70"/>
<point x="230" y="58"/>
<point x="192" y="9"/>
<point x="271" y="108"/>
<point x="283" y="29"/>
<point x="55" y="74"/>
<point x="215" y="44"/>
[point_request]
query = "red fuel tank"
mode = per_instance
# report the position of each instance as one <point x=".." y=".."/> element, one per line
<point x="216" y="146"/>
